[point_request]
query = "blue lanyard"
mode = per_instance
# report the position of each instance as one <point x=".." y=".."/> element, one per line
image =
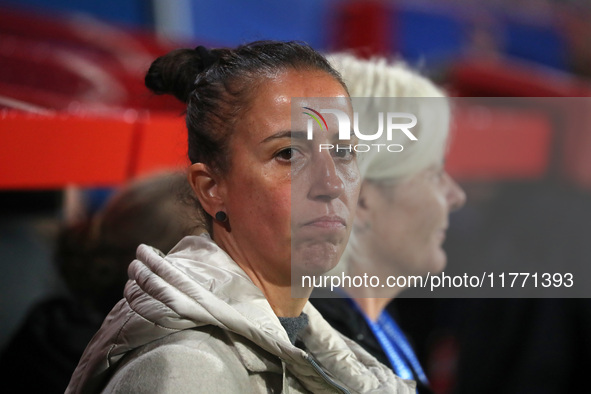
<point x="395" y="335"/>
<point x="396" y="346"/>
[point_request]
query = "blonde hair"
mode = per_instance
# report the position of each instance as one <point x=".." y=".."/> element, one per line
<point x="376" y="80"/>
<point x="388" y="86"/>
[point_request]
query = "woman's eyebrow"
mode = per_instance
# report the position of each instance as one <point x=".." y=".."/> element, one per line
<point x="300" y="135"/>
<point x="352" y="138"/>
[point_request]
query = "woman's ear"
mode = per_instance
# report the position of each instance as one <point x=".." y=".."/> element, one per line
<point x="205" y="184"/>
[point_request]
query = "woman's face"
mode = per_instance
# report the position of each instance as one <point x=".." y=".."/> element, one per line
<point x="408" y="221"/>
<point x="285" y="200"/>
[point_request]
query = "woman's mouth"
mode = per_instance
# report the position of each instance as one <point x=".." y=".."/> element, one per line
<point x="328" y="222"/>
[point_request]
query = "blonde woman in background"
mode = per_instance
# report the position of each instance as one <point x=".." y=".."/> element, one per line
<point x="402" y="214"/>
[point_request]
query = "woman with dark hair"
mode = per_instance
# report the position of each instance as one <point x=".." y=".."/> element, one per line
<point x="217" y="313"/>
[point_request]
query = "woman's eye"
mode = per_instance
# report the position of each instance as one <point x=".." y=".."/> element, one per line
<point x="345" y="152"/>
<point x="439" y="173"/>
<point x="286" y="154"/>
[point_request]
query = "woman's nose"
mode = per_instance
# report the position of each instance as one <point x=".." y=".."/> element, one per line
<point x="456" y="196"/>
<point x="327" y="183"/>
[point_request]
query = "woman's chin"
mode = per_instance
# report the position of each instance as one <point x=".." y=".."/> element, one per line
<point x="315" y="259"/>
<point x="438" y="262"/>
<point x="433" y="263"/>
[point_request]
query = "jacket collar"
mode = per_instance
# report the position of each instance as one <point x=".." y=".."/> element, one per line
<point x="198" y="284"/>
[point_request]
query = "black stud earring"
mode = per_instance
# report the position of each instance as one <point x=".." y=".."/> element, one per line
<point x="221" y="216"/>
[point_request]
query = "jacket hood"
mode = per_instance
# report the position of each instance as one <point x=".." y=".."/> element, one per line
<point x="198" y="284"/>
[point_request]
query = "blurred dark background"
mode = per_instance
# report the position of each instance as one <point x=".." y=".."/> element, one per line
<point x="76" y="122"/>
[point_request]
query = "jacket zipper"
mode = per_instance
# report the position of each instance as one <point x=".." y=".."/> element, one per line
<point x="326" y="378"/>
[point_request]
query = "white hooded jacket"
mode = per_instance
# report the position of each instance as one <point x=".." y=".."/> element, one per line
<point x="193" y="321"/>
